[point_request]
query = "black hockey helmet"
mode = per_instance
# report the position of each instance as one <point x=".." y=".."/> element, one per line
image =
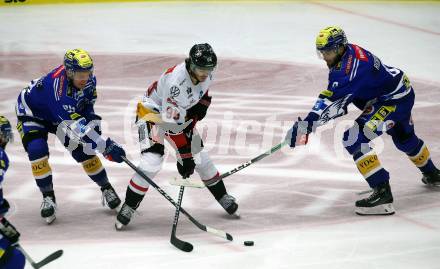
<point x="202" y="56"/>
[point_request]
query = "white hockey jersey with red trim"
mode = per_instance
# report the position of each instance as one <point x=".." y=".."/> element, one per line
<point x="174" y="93"/>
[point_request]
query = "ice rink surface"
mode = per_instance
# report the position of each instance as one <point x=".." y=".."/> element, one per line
<point x="298" y="206"/>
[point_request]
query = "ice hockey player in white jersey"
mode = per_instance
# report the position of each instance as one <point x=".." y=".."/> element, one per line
<point x="179" y="98"/>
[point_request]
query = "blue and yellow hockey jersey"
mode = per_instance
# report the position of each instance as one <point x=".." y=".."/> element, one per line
<point x="359" y="78"/>
<point x="53" y="99"/>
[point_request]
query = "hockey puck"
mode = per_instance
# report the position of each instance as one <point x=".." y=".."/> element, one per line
<point x="248" y="243"/>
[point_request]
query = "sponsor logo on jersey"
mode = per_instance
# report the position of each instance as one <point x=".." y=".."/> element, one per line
<point x="189" y="92"/>
<point x="379" y="117"/>
<point x="60" y="87"/>
<point x="348" y="66"/>
<point x="336" y="109"/>
<point x="174" y="91"/>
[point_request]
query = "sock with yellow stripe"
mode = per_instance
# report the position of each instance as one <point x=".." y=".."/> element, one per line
<point x="43" y="174"/>
<point x="421" y="158"/>
<point x="94" y="169"/>
<point x="371" y="169"/>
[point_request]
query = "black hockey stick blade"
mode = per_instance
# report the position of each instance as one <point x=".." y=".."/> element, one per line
<point x="202" y="227"/>
<point x="48" y="259"/>
<point x="182" y="245"/>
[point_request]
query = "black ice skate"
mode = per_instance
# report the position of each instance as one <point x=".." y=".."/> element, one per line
<point x="48" y="207"/>
<point x="229" y="204"/>
<point x="432" y="178"/>
<point x="380" y="202"/>
<point x="124" y="216"/>
<point x="110" y="197"/>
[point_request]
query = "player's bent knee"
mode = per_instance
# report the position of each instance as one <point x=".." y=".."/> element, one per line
<point x="204" y="166"/>
<point x="37" y="149"/>
<point x="151" y="163"/>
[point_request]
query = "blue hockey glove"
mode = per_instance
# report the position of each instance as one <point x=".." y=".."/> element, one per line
<point x="113" y="151"/>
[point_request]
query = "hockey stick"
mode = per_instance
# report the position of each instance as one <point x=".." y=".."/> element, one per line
<point x="202" y="227"/>
<point x="182" y="245"/>
<point x="246" y="164"/>
<point x="44" y="261"/>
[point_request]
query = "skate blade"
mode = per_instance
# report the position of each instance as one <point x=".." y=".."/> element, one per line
<point x="431" y="185"/>
<point x="119" y="226"/>
<point x="236" y="215"/>
<point x="192" y="183"/>
<point x="50" y="219"/>
<point x="385" y="209"/>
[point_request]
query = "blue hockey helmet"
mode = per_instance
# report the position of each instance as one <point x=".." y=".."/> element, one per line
<point x="78" y="60"/>
<point x="331" y="38"/>
<point x="5" y="131"/>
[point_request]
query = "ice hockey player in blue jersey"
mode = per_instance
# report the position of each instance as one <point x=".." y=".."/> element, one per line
<point x="386" y="97"/>
<point x="10" y="256"/>
<point x="61" y="103"/>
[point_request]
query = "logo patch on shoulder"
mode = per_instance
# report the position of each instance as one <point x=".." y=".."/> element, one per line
<point x="360" y="53"/>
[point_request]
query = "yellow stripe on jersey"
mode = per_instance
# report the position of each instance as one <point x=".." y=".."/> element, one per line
<point x="92" y="166"/>
<point x="422" y="157"/>
<point x="41" y="168"/>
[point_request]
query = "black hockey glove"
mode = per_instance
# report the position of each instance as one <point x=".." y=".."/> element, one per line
<point x="9" y="231"/>
<point x="186" y="166"/>
<point x="4" y="207"/>
<point x="198" y="111"/>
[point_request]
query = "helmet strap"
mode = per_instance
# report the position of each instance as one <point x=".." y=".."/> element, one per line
<point x="190" y="68"/>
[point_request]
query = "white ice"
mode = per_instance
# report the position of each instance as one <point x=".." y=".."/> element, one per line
<point x="403" y="35"/>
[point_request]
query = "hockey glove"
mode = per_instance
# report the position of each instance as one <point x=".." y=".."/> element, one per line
<point x="9" y="231"/>
<point x="299" y="134"/>
<point x="113" y="151"/>
<point x="198" y="111"/>
<point x="186" y="166"/>
<point x="4" y="208"/>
